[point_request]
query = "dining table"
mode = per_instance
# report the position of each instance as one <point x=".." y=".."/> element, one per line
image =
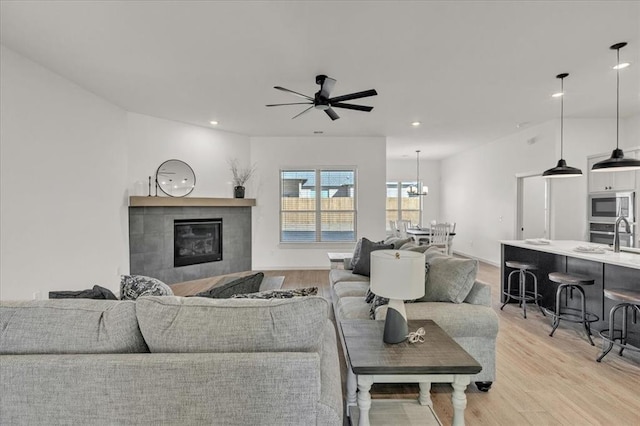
<point x="421" y="234"/>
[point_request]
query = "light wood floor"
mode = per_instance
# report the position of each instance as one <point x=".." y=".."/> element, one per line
<point x="541" y="380"/>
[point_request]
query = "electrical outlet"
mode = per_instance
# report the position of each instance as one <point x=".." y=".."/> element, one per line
<point x="37" y="295"/>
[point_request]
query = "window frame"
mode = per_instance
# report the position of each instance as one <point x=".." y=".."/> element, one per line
<point x="399" y="209"/>
<point x="318" y="205"/>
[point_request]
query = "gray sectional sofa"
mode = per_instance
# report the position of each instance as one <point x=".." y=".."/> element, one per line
<point x="473" y="324"/>
<point x="169" y="360"/>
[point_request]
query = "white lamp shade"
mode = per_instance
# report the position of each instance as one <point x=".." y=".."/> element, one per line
<point x="397" y="274"/>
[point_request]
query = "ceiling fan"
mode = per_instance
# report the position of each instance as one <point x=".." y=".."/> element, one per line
<point x="322" y="101"/>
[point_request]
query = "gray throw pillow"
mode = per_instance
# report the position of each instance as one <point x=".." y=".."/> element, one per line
<point x="356" y="254"/>
<point x="449" y="279"/>
<point x="134" y="286"/>
<point x="397" y="242"/>
<point x="279" y="294"/>
<point x="363" y="265"/>
<point x="242" y="285"/>
<point x="416" y="248"/>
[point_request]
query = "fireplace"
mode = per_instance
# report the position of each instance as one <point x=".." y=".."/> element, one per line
<point x="196" y="241"/>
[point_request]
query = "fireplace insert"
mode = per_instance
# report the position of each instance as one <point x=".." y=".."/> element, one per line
<point x="196" y="241"/>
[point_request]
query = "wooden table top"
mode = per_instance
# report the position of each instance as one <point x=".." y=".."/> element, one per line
<point x="439" y="354"/>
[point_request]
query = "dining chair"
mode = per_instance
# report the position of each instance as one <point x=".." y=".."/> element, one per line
<point x="403" y="225"/>
<point x="394" y="228"/>
<point x="440" y="236"/>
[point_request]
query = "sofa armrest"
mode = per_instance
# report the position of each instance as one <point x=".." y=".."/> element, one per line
<point x="480" y="294"/>
<point x="347" y="263"/>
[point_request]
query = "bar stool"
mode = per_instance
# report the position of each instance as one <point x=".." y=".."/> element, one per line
<point x="629" y="299"/>
<point x="522" y="269"/>
<point x="569" y="283"/>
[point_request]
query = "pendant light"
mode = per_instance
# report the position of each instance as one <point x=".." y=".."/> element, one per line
<point x="617" y="162"/>
<point x="418" y="190"/>
<point x="562" y="170"/>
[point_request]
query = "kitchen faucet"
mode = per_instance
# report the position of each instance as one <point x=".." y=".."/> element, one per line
<point x="616" y="233"/>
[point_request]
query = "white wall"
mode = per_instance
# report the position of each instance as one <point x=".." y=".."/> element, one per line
<point x="273" y="153"/>
<point x="63" y="184"/>
<point x="151" y="141"/>
<point x="479" y="185"/>
<point x="405" y="170"/>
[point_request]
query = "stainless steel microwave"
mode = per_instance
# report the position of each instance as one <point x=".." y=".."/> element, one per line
<point x="607" y="207"/>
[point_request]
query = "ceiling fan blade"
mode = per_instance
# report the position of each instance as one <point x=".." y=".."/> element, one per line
<point x="327" y="87"/>
<point x="358" y="95"/>
<point x="351" y="106"/>
<point x="295" y="93"/>
<point x="332" y="114"/>
<point x="293" y="103"/>
<point x="306" y="110"/>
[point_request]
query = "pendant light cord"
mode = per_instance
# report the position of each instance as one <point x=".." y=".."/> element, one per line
<point x="562" y="118"/>
<point x="618" y="99"/>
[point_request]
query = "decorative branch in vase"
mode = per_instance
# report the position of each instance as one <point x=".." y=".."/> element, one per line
<point x="240" y="176"/>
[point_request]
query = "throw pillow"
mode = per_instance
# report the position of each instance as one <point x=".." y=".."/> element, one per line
<point x="416" y="248"/>
<point x="368" y="298"/>
<point x="449" y="279"/>
<point x="279" y="294"/>
<point x="134" y="286"/>
<point x="96" y="292"/>
<point x="242" y="285"/>
<point x="397" y="242"/>
<point x="377" y="301"/>
<point x="356" y="254"/>
<point x="363" y="265"/>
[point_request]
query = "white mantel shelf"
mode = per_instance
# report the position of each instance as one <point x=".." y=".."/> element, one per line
<point x="190" y="202"/>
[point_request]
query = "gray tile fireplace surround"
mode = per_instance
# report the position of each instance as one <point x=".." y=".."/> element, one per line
<point x="151" y="242"/>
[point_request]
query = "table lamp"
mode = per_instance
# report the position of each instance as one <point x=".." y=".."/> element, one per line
<point x="397" y="275"/>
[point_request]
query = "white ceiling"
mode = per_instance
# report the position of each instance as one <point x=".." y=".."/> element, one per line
<point x="469" y="71"/>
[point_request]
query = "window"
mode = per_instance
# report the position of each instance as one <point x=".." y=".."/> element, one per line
<point x="400" y="206"/>
<point x="317" y="205"/>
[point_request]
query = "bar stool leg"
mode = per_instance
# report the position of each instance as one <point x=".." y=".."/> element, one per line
<point x="535" y="292"/>
<point x="523" y="292"/>
<point x="623" y="336"/>
<point x="607" y="344"/>
<point x="585" y="323"/>
<point x="508" y="298"/>
<point x="556" y="316"/>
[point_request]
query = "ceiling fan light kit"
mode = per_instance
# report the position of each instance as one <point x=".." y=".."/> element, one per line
<point x="323" y="102"/>
<point x="561" y="170"/>
<point x="617" y="162"/>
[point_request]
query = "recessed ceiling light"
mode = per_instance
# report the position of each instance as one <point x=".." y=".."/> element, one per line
<point x="557" y="95"/>
<point x="621" y="65"/>
<point x="213" y="122"/>
<point x="522" y="124"/>
<point x="415" y="123"/>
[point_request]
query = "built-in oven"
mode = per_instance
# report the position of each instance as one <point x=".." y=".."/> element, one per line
<point x="602" y="233"/>
<point x="608" y="207"/>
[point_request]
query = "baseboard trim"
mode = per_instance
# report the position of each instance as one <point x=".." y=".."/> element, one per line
<point x="290" y="268"/>
<point x="480" y="259"/>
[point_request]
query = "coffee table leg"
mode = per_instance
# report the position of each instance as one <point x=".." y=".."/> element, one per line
<point x="364" y="399"/>
<point x="425" y="396"/>
<point x="459" y="399"/>
<point x="352" y="387"/>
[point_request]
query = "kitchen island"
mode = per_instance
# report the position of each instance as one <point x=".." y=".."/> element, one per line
<point x="608" y="269"/>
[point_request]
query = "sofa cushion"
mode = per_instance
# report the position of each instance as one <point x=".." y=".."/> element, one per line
<point x="457" y="320"/>
<point x="242" y="285"/>
<point x="352" y="308"/>
<point x="351" y="288"/>
<point x="415" y="247"/>
<point x="341" y="275"/>
<point x="134" y="286"/>
<point x="449" y="279"/>
<point x="363" y="265"/>
<point x="279" y="294"/>
<point x="197" y="324"/>
<point x="69" y="326"/>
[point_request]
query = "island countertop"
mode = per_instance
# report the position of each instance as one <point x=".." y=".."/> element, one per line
<point x="567" y="248"/>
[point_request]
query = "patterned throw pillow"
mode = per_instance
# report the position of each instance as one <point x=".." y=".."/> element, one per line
<point x="377" y="301"/>
<point x="369" y="297"/>
<point x="134" y="286"/>
<point x="279" y="294"/>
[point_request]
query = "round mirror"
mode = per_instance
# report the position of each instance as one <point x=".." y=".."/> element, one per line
<point x="175" y="178"/>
